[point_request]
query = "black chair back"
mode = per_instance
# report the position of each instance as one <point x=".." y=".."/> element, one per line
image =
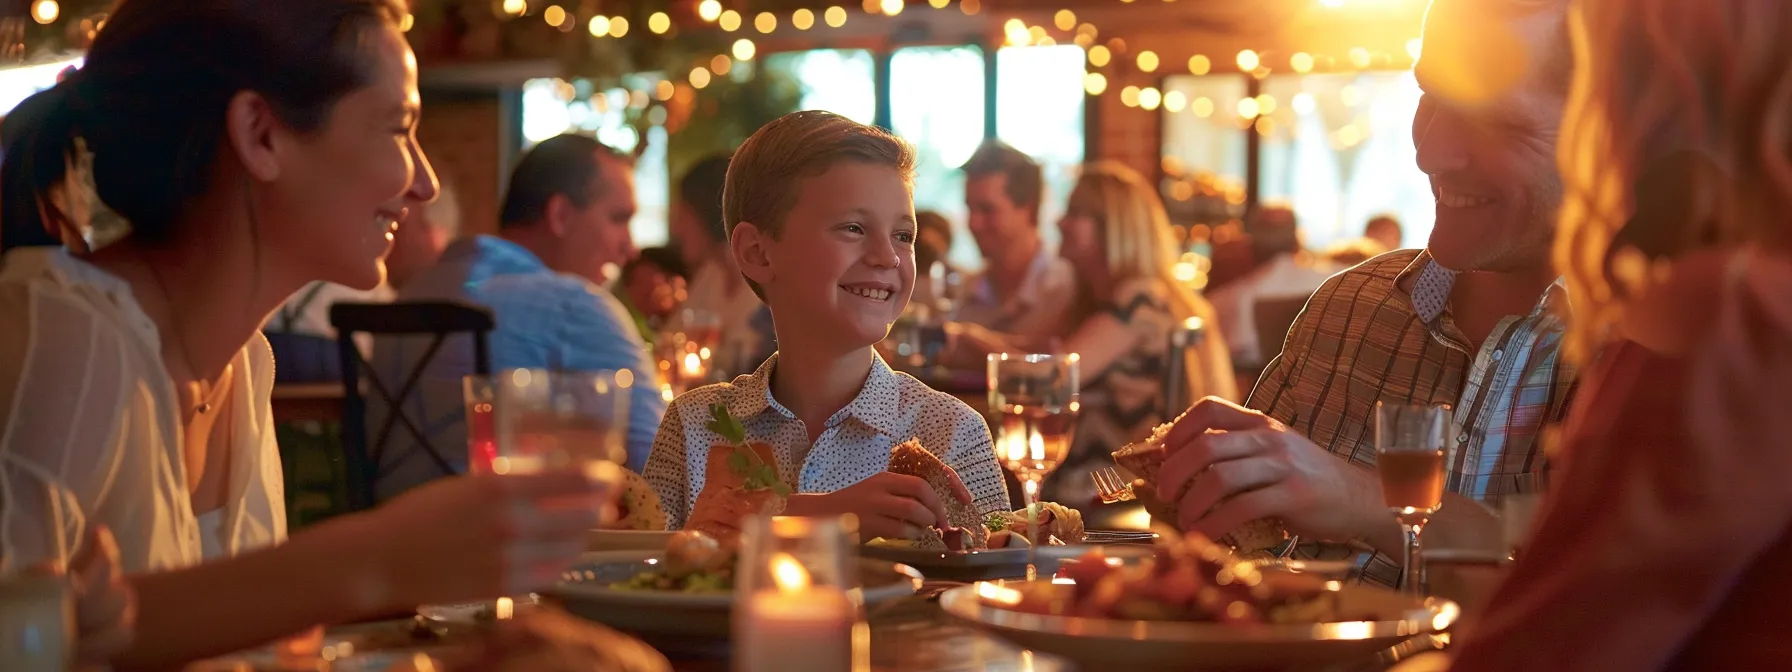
<point x="438" y="319"/>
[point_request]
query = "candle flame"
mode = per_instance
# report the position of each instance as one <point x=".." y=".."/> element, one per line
<point x="788" y="574"/>
<point x="504" y="609"/>
<point x="693" y="364"/>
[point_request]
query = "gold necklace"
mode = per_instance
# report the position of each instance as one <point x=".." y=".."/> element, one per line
<point x="204" y="393"/>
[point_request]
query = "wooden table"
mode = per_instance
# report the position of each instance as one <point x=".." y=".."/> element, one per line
<point x="298" y="402"/>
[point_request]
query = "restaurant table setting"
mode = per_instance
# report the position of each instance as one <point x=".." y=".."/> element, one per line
<point x="1031" y="589"/>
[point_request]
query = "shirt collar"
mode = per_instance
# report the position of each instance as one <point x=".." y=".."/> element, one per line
<point x="752" y="395"/>
<point x="1430" y="295"/>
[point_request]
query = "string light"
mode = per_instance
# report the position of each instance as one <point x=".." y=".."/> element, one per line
<point x="1202" y="107"/>
<point x="1247" y="108"/>
<point x="1199" y="64"/>
<point x="45" y="11"/>
<point x="872" y="6"/>
<point x="1265" y="126"/>
<point x="803" y="19"/>
<point x="618" y="27"/>
<point x="1248" y="60"/>
<point x="744" y="50"/>
<point x="1016" y="32"/>
<point x="834" y="16"/>
<point x="891" y="7"/>
<point x="1064" y="19"/>
<point x="1129" y="96"/>
<point x="1150" y="98"/>
<point x="599" y="26"/>
<point x="709" y="10"/>
<point x="765" y="22"/>
<point x="721" y="64"/>
<point x="970" y="7"/>
<point x="1175" y="101"/>
<point x="1266" y="104"/>
<point x="730" y="20"/>
<point x="939" y="4"/>
<point x="554" y="15"/>
<point x="664" y="90"/>
<point x="1036" y="35"/>
<point x="700" y="77"/>
<point x="1301" y="61"/>
<point x="1099" y="56"/>
<point x="659" y="23"/>
<point x="1148" y="61"/>
<point x="1095" y="83"/>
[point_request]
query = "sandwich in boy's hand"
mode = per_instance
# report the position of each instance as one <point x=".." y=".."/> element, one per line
<point x="963" y="528"/>
<point x="1144" y="459"/>
<point x="740" y="479"/>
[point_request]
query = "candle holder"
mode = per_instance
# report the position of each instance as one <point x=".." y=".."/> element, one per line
<point x="798" y="606"/>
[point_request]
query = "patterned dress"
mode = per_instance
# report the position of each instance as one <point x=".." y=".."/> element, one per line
<point x="1124" y="401"/>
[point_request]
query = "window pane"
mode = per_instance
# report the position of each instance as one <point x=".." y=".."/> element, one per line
<point x="936" y="103"/>
<point x="842" y="81"/>
<point x="1341" y="152"/>
<point x="1207" y="137"/>
<point x="1039" y="110"/>
<point x="553" y="106"/>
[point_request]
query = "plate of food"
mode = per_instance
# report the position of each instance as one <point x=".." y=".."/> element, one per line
<point x="1197" y="605"/>
<point x="686" y="590"/>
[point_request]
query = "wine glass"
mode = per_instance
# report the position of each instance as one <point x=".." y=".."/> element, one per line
<point x="1411" y="452"/>
<point x="560" y="419"/>
<point x="1033" y="399"/>
<point x="797" y="599"/>
<point x="480" y="396"/>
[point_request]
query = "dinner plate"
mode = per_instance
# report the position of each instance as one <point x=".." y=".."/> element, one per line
<point x="996" y="563"/>
<point x="627" y="540"/>
<point x="660" y="615"/>
<point x="1113" y="644"/>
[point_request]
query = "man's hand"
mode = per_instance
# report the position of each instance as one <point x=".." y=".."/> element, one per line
<point x="888" y="505"/>
<point x="1229" y="465"/>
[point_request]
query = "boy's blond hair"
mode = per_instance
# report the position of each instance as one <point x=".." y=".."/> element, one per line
<point x="767" y="171"/>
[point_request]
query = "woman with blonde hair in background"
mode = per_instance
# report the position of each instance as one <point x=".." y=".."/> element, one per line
<point x="1662" y="538"/>
<point x="1118" y="238"/>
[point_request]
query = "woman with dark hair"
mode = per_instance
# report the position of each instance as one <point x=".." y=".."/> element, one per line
<point x="234" y="150"/>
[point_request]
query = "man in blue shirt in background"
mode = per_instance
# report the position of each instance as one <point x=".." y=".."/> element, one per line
<point x="562" y="232"/>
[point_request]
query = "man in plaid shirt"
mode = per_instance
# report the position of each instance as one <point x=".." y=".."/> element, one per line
<point x="1473" y="321"/>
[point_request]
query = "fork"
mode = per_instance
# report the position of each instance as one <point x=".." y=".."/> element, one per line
<point x="1110" y="488"/>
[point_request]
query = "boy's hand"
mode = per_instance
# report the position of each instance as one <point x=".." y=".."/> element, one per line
<point x="892" y="506"/>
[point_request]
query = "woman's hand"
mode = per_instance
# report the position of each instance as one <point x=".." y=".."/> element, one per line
<point x="105" y="605"/>
<point x="488" y="535"/>
<point x="888" y="505"/>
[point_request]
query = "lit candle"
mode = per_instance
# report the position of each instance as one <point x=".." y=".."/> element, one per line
<point x="693" y="365"/>
<point x="795" y="627"/>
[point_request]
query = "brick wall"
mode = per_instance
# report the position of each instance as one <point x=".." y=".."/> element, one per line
<point x="462" y="139"/>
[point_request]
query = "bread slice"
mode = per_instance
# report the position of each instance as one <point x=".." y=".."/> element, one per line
<point x="910" y="458"/>
<point x="1145" y="458"/>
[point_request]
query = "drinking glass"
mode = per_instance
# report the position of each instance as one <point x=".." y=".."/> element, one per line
<point x="688" y="349"/>
<point x="1411" y="453"/>
<point x="560" y="419"/>
<point x="797" y="603"/>
<point x="1033" y="399"/>
<point x="481" y="398"/>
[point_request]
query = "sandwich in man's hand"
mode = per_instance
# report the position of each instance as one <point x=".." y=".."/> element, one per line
<point x="1144" y="459"/>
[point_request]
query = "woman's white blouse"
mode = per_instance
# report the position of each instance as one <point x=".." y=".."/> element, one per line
<point x="90" y="430"/>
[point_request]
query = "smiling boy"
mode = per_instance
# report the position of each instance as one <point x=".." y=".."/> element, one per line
<point x="821" y="221"/>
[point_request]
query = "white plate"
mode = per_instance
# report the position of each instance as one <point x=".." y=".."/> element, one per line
<point x="1111" y="644"/>
<point x="998" y="563"/>
<point x="586" y="591"/>
<point x="626" y="540"/>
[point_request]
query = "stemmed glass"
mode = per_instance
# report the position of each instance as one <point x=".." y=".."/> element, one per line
<point x="1033" y="401"/>
<point x="560" y="419"/>
<point x="1411" y="453"/>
